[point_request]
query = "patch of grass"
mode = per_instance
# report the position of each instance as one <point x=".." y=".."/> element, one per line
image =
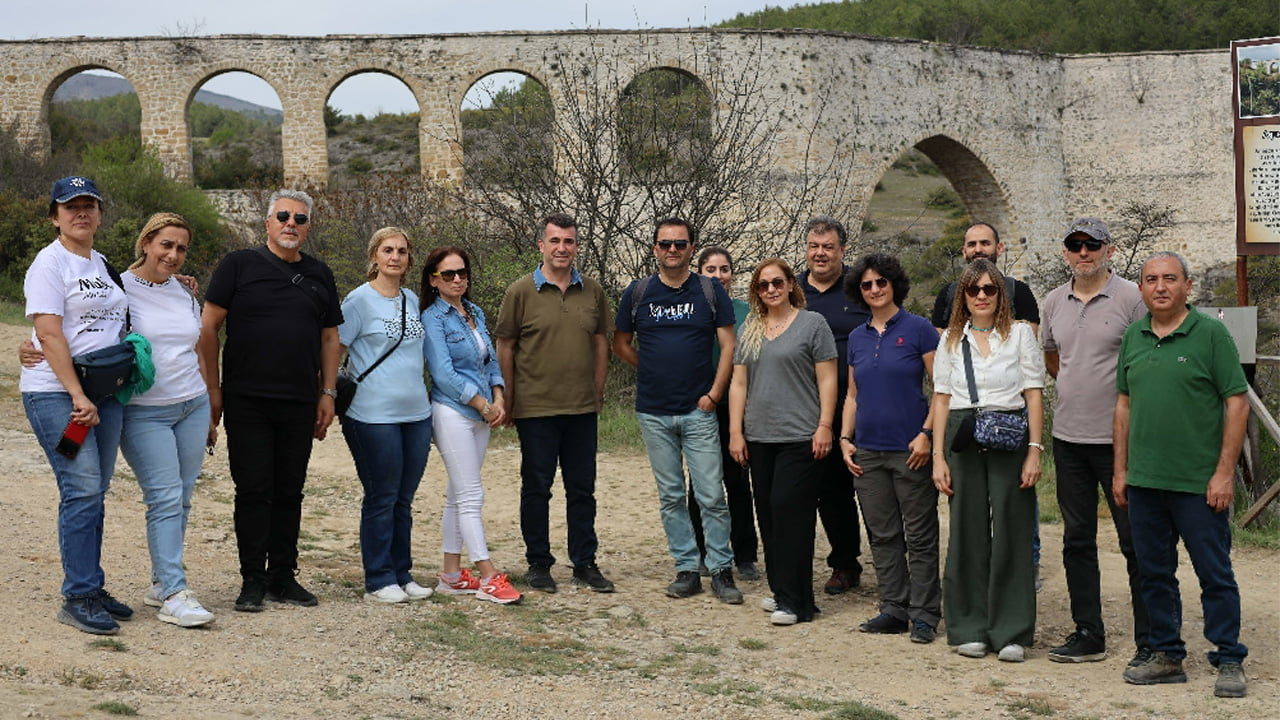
<point x="732" y="686"/>
<point x="701" y="669"/>
<point x="115" y="707"/>
<point x="753" y="644"/>
<point x="111" y="644"/>
<point x="697" y="649"/>
<point x="619" y="431"/>
<point x="1032" y="706"/>
<point x="13" y="313"/>
<point x="799" y="702"/>
<point x="658" y="665"/>
<point x="530" y="653"/>
<point x="75" y="677"/>
<point x="13" y="670"/>
<point x="355" y="678"/>
<point x="854" y="710"/>
<point x="998" y="683"/>
<point x="1258" y="535"/>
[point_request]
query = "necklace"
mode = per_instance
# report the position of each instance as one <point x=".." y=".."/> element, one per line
<point x="774" y="328"/>
<point x="988" y="328"/>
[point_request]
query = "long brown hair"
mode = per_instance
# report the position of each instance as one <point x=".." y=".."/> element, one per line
<point x="960" y="310"/>
<point x="753" y="329"/>
<point x="427" y="293"/>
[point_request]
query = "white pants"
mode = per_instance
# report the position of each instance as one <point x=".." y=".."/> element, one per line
<point x="462" y="443"/>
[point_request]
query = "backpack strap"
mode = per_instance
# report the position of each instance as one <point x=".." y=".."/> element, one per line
<point x="637" y="292"/>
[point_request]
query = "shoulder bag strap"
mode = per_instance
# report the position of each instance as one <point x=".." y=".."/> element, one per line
<point x="309" y="288"/>
<point x="119" y="281"/>
<point x="378" y="362"/>
<point x="968" y="372"/>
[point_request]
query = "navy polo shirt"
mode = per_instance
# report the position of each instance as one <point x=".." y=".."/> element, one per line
<point x="842" y="314"/>
<point x="889" y="371"/>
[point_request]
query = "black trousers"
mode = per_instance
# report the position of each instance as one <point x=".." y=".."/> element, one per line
<point x="737" y="490"/>
<point x="785" y="479"/>
<point x="268" y="448"/>
<point x="838" y="508"/>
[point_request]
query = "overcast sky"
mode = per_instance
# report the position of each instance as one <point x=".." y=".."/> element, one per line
<point x="366" y="94"/>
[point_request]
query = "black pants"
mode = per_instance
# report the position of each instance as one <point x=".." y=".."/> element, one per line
<point x="268" y="448"/>
<point x="737" y="490"/>
<point x="838" y="508"/>
<point x="1081" y="470"/>
<point x="785" y="480"/>
<point x="570" y="441"/>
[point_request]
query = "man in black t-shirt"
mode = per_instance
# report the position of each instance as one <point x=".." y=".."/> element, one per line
<point x="982" y="241"/>
<point x="278" y="377"/>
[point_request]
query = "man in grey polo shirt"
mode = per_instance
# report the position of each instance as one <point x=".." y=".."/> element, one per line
<point x="1083" y="321"/>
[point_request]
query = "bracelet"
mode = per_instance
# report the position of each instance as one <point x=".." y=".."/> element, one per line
<point x="708" y="396"/>
<point x="330" y="392"/>
<point x="824" y="424"/>
<point x="1036" y="445"/>
<point x="487" y="409"/>
<point x="846" y="439"/>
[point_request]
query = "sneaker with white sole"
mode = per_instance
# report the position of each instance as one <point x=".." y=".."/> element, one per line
<point x="184" y="610"/>
<point x="390" y="594"/>
<point x="1013" y="652"/>
<point x="497" y="588"/>
<point x="768" y="604"/>
<point x="782" y="616"/>
<point x="972" y="649"/>
<point x="416" y="591"/>
<point x="152" y="598"/>
<point x="466" y="584"/>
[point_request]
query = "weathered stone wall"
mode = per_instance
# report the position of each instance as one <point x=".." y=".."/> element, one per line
<point x="1027" y="140"/>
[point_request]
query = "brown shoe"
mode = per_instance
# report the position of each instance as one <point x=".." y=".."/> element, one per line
<point x="1231" y="683"/>
<point x="1159" y="669"/>
<point x="841" y="582"/>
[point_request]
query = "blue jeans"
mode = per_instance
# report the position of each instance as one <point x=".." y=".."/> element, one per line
<point x="1158" y="518"/>
<point x="696" y="436"/>
<point x="569" y="440"/>
<point x="164" y="445"/>
<point x="390" y="459"/>
<point x="82" y="484"/>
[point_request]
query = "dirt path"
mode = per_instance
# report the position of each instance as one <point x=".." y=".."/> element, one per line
<point x="633" y="654"/>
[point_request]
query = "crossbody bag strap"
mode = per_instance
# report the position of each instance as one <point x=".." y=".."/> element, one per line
<point x="119" y="281"/>
<point x="308" y="287"/>
<point x="399" y="340"/>
<point x="968" y="372"/>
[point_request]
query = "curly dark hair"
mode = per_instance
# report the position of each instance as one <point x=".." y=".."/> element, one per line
<point x="888" y="267"/>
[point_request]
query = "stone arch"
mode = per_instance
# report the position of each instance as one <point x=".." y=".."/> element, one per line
<point x="187" y="159"/>
<point x="39" y="134"/>
<point x="500" y="144"/>
<point x="389" y="146"/>
<point x="982" y="195"/>
<point x="665" y="122"/>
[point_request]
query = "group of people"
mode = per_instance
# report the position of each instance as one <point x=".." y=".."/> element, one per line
<point x="795" y="406"/>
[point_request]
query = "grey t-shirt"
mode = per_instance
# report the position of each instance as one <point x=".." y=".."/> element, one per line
<point x="782" y="388"/>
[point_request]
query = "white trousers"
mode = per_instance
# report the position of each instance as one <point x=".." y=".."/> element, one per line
<point x="462" y="443"/>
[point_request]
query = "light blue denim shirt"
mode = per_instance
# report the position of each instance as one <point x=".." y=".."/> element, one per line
<point x="460" y="367"/>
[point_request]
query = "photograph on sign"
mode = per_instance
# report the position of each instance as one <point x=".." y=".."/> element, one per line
<point x="1258" y="91"/>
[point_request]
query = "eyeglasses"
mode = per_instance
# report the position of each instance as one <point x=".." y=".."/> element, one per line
<point x="777" y="283"/>
<point x="449" y="275"/>
<point x="298" y="218"/>
<point x="666" y="244"/>
<point x="988" y="290"/>
<point x="879" y="282"/>
<point x="1074" y="244"/>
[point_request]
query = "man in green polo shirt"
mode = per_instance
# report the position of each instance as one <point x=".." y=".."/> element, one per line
<point x="1177" y="432"/>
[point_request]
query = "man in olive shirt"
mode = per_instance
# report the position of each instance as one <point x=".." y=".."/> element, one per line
<point x="553" y="349"/>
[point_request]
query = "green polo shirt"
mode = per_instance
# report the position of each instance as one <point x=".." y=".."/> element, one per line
<point x="1176" y="387"/>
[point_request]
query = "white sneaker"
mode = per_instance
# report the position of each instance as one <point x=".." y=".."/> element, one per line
<point x="416" y="591"/>
<point x="972" y="649"/>
<point x="182" y="609"/>
<point x="768" y="604"/>
<point x="783" y="617"/>
<point x="152" y="598"/>
<point x="1012" y="652"/>
<point x="389" y="594"/>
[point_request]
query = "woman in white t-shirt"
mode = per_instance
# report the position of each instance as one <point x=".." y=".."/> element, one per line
<point x="988" y="587"/>
<point x="76" y="306"/>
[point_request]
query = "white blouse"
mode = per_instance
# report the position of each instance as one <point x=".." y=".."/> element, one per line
<point x="1015" y="364"/>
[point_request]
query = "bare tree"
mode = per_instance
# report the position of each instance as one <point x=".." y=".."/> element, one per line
<point x="1136" y="234"/>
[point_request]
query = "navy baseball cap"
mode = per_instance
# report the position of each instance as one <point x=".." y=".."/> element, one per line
<point x="68" y="188"/>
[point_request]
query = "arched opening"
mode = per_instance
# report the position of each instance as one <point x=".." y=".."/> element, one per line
<point x="371" y="121"/>
<point x="234" y="119"/>
<point x="91" y="106"/>
<point x="507" y="131"/>
<point x="664" y="127"/>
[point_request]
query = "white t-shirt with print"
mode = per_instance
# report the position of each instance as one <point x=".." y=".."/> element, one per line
<point x="169" y="318"/>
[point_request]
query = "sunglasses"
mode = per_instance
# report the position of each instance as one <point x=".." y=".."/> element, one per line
<point x="777" y="283"/>
<point x="988" y="290"/>
<point x="878" y="282"/>
<point x="666" y="244"/>
<point x="298" y="218"/>
<point x="449" y="275"/>
<point x="1074" y="244"/>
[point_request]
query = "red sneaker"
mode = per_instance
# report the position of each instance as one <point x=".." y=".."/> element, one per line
<point x="498" y="589"/>
<point x="466" y="584"/>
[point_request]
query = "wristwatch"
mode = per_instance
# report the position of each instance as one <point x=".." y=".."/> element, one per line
<point x="330" y="392"/>
<point x="928" y="432"/>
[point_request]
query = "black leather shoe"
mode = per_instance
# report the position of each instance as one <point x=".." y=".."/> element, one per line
<point x="590" y="576"/>
<point x="538" y="577"/>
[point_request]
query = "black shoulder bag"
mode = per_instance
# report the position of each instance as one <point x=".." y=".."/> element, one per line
<point x="348" y="384"/>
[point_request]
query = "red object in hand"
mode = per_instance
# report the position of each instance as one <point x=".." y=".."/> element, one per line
<point x="72" y="438"/>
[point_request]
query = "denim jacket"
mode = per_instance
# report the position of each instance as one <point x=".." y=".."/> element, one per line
<point x="457" y="363"/>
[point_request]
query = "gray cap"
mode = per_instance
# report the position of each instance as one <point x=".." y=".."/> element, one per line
<point x="1093" y="227"/>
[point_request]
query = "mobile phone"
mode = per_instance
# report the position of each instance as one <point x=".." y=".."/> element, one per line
<point x="72" y="438"/>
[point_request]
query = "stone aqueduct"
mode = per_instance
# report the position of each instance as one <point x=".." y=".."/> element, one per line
<point x="1028" y="140"/>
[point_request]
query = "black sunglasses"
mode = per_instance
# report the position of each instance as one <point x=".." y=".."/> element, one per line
<point x="763" y="285"/>
<point x="989" y="290"/>
<point x="879" y="282"/>
<point x="449" y="275"/>
<point x="298" y="218"/>
<point x="1074" y="244"/>
<point x="666" y="244"/>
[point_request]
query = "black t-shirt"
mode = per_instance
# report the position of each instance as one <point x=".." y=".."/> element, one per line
<point x="273" y="327"/>
<point x="1024" y="304"/>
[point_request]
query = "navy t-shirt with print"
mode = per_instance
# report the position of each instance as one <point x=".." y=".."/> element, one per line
<point x="675" y="332"/>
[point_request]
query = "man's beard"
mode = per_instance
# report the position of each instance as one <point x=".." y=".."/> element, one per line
<point x="289" y="244"/>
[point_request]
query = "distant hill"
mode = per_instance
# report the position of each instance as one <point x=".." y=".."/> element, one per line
<point x="92" y="87"/>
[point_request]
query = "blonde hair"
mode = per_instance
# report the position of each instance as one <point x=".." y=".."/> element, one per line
<point x="960" y="310"/>
<point x="154" y="225"/>
<point x="375" y="242"/>
<point x="752" y="338"/>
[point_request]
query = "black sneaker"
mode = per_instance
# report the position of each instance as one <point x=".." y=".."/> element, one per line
<point x="590" y="576"/>
<point x="722" y="585"/>
<point x="538" y="577"/>
<point x="1231" y="682"/>
<point x="686" y="583"/>
<point x="1141" y="657"/>
<point x="87" y="615"/>
<point x="114" y="607"/>
<point x="287" y="590"/>
<point x="1081" y="646"/>
<point x="748" y="571"/>
<point x="884" y="624"/>
<point x="251" y="594"/>
<point x="922" y="632"/>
